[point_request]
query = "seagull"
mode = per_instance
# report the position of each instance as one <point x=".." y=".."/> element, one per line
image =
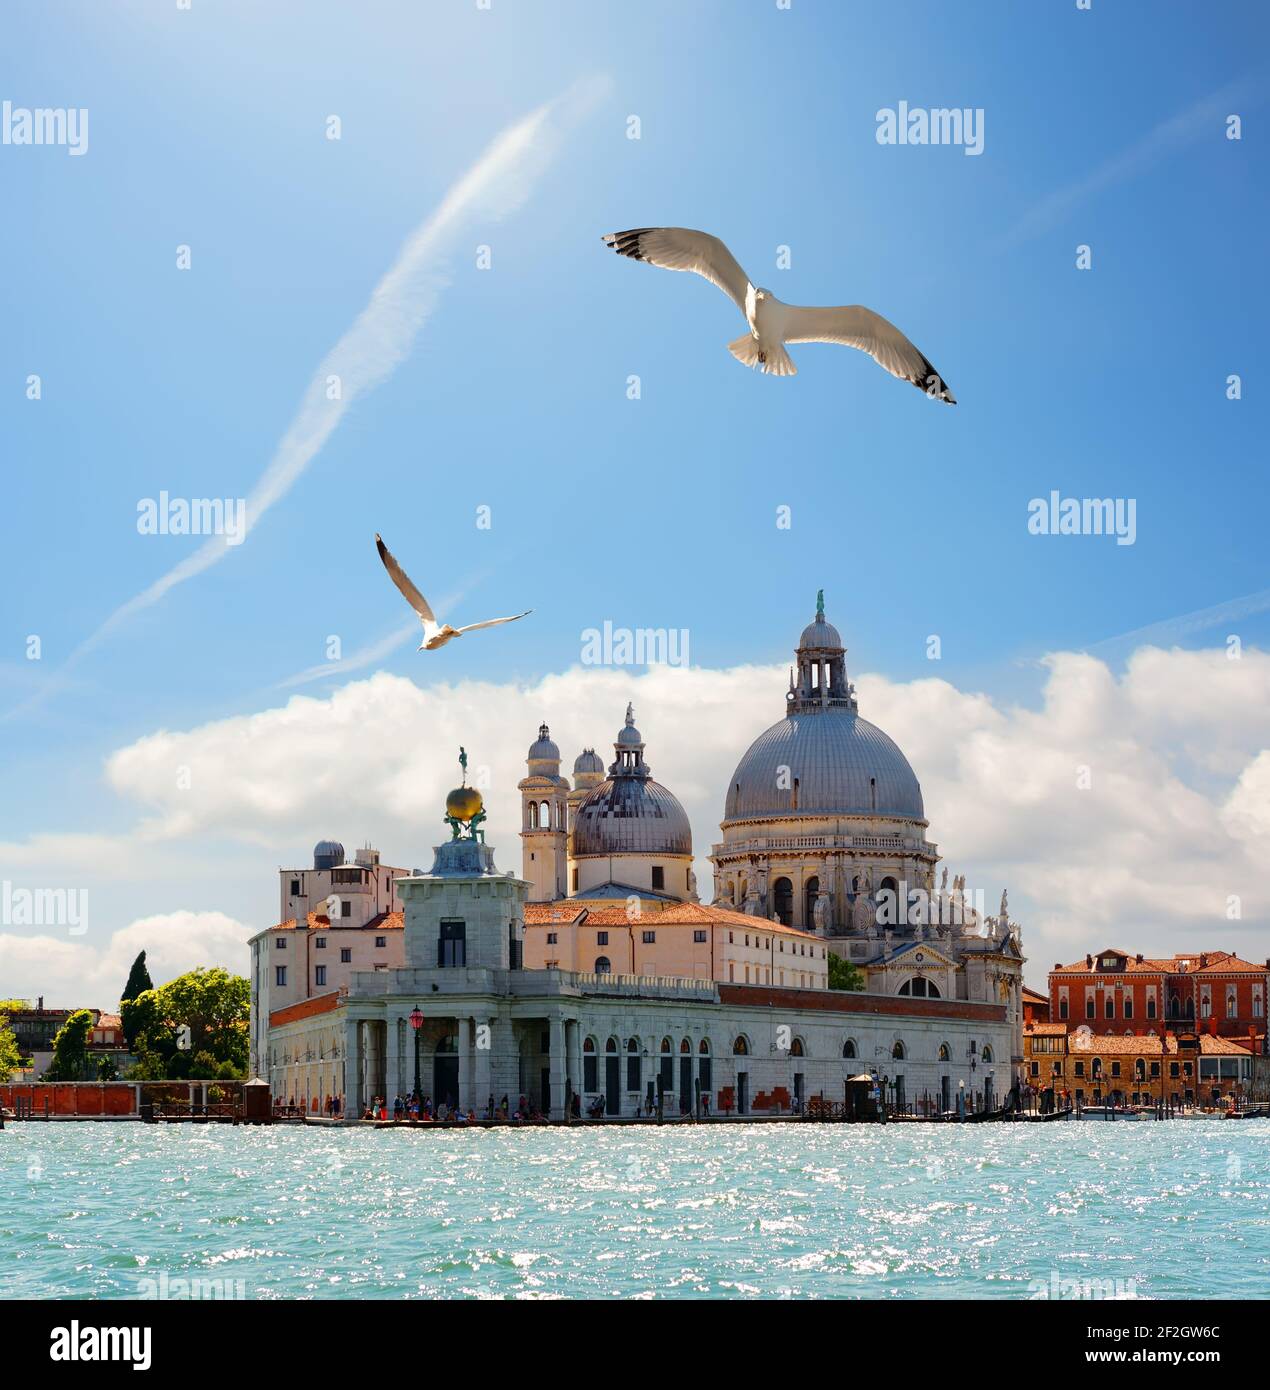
<point x="772" y="322"/>
<point x="434" y="634"/>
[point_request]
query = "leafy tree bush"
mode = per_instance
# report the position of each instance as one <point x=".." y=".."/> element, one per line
<point x="70" y="1048"/>
<point x="843" y="974"/>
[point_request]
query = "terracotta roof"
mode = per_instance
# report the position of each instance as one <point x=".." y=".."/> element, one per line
<point x="1034" y="996"/>
<point x="1048" y="1030"/>
<point x="672" y="915"/>
<point x="109" y="1021"/>
<point x="1227" y="1047"/>
<point x="1146" y="1046"/>
<point x="319" y="921"/>
<point x="1183" y="963"/>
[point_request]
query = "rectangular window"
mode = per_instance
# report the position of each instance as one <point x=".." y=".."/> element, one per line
<point x="1080" y="1068"/>
<point x="1089" y="1007"/>
<point x="319" y="943"/>
<point x="659" y="877"/>
<point x="1062" y="1008"/>
<point x="601" y="938"/>
<point x="575" y="889"/>
<point x="381" y="942"/>
<point x="295" y="887"/>
<point x="319" y="974"/>
<point x="551" y="938"/>
<point x="346" y="955"/>
<point x="699" y="937"/>
<point x="632" y="1071"/>
<point x="280" y="942"/>
<point x="1128" y="1006"/>
<point x="516" y="960"/>
<point x="346" y="908"/>
<point x="452" y="943"/>
<point x="590" y="1070"/>
<point x="1151" y="1006"/>
<point x="1109" y="1006"/>
<point x="650" y="938"/>
<point x="1115" y="1068"/>
<point x="279" y="974"/>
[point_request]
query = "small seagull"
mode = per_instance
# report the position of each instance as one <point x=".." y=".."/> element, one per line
<point x="434" y="634"/>
<point x="772" y="322"/>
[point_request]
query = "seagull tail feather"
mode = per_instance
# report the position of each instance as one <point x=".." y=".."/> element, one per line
<point x="775" y="360"/>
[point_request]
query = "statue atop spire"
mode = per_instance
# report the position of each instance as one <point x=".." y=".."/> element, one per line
<point x="630" y="715"/>
<point x="820" y="605"/>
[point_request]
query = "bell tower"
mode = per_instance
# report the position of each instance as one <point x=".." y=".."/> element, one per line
<point x="544" y="821"/>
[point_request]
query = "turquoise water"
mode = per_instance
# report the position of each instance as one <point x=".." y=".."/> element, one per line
<point x="1152" y="1210"/>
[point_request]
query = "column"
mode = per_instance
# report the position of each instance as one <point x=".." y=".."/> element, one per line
<point x="482" y="1084"/>
<point x="556" y="1067"/>
<point x="354" y="1091"/>
<point x="573" y="1038"/>
<point x="465" y="1063"/>
<point x="393" y="1085"/>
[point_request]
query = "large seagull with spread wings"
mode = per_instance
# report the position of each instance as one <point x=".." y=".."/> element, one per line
<point x="434" y="634"/>
<point x="773" y="323"/>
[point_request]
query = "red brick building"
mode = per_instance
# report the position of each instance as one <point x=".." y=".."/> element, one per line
<point x="1036" y="1006"/>
<point x="1211" y="992"/>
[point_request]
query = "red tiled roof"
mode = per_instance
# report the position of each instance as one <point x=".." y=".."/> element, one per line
<point x="1184" y="963"/>
<point x="307" y="1008"/>
<point x="567" y="912"/>
<point x="1046" y="1029"/>
<point x="319" y="921"/>
<point x="1034" y="996"/>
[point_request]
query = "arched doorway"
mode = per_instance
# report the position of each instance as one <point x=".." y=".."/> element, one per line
<point x="811" y="891"/>
<point x="783" y="900"/>
<point x="612" y="1079"/>
<point x="445" y="1071"/>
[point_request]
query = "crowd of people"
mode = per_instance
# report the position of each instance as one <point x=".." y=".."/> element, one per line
<point x="417" y="1109"/>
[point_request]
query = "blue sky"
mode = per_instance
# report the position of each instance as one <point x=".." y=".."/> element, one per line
<point x="207" y="127"/>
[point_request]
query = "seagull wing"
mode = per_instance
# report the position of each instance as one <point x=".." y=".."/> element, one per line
<point x="680" y="248"/>
<point x="494" y="622"/>
<point x="853" y="325"/>
<point x="402" y="580"/>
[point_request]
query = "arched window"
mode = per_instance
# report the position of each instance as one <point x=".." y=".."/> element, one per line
<point x="919" y="987"/>
<point x="685" y="1046"/>
<point x="783" y="898"/>
<point x="588" y="1045"/>
<point x="987" y="1053"/>
<point x="897" y="1052"/>
<point x="665" y="1044"/>
<point x="611" y="1045"/>
<point x="533" y="815"/>
<point x="603" y="966"/>
<point x="811" y="891"/>
<point x="704" y="1047"/>
<point x="741" y="1048"/>
<point x="796" y="1048"/>
<point x="888" y="901"/>
<point x="544" y="815"/>
<point x="945" y="1052"/>
<point x="848" y="1048"/>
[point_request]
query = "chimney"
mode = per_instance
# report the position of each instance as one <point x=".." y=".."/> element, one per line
<point x="1089" y="962"/>
<point x="1203" y="961"/>
<point x="1058" y="965"/>
<point x="39" y="1008"/>
<point x="1138" y="957"/>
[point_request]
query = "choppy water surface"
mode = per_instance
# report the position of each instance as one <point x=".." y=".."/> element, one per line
<point x="1151" y="1210"/>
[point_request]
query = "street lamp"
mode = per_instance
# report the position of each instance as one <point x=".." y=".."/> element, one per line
<point x="416" y="1022"/>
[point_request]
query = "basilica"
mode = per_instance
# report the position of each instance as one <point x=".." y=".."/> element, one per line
<point x="824" y="840"/>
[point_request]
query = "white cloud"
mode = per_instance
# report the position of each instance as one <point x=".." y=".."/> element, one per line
<point x="1176" y="819"/>
<point x="66" y="971"/>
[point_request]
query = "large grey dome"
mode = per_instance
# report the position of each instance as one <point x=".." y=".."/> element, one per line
<point x="328" y="854"/>
<point x="821" y="635"/>
<point x="631" y="815"/>
<point x="843" y="765"/>
<point x="543" y="750"/>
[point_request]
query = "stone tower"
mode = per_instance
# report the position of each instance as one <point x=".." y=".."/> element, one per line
<point x="544" y="824"/>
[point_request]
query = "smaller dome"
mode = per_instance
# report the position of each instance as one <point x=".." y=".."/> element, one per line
<point x="629" y="736"/>
<point x="543" y="750"/>
<point x="588" y="761"/>
<point x="820" y="633"/>
<point x="328" y="854"/>
<point x="463" y="803"/>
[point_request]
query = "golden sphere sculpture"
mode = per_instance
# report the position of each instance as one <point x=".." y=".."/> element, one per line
<point x="463" y="803"/>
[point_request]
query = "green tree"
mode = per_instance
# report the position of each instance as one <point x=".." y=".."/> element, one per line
<point x="70" y="1048"/>
<point x="10" y="1057"/>
<point x="213" y="1004"/>
<point x="843" y="974"/>
<point x="106" y="1069"/>
<point x="138" y="982"/>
